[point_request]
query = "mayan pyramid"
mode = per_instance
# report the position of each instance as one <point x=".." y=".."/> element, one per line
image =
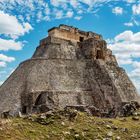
<point x="69" y="67"/>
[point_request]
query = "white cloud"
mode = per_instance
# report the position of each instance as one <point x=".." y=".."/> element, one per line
<point x="57" y="2"/>
<point x="6" y="58"/>
<point x="27" y="27"/>
<point x="47" y="9"/>
<point x="117" y="10"/>
<point x="78" y="17"/>
<point x="39" y="16"/>
<point x="9" y="25"/>
<point x="69" y="14"/>
<point x="130" y="1"/>
<point x="33" y="10"/>
<point x="129" y="36"/>
<point x="74" y="3"/>
<point x="126" y="46"/>
<point x="58" y="14"/>
<point x="129" y="24"/>
<point x="125" y="36"/>
<point x="6" y="45"/>
<point x="80" y="11"/>
<point x="136" y="9"/>
<point x="2" y="64"/>
<point x="88" y="2"/>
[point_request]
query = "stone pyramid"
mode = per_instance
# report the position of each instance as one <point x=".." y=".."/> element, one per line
<point x="69" y="67"/>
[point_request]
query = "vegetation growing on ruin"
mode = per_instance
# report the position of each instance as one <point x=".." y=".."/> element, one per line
<point x="79" y="127"/>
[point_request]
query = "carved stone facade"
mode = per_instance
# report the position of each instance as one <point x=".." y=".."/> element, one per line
<point x="69" y="67"/>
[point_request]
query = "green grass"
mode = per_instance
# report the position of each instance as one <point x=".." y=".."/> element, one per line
<point x="83" y="127"/>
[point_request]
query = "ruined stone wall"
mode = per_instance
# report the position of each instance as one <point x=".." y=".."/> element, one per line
<point x="64" y="34"/>
<point x="72" y="34"/>
<point x="56" y="48"/>
<point x="68" y="78"/>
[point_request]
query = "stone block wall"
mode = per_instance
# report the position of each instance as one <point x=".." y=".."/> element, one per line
<point x="71" y="33"/>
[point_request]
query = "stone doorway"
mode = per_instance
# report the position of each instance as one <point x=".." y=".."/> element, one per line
<point x="81" y="39"/>
<point x="43" y="103"/>
<point x="41" y="99"/>
<point x="99" y="54"/>
<point x="24" y="109"/>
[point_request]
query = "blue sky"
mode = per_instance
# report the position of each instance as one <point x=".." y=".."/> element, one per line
<point x="24" y="23"/>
